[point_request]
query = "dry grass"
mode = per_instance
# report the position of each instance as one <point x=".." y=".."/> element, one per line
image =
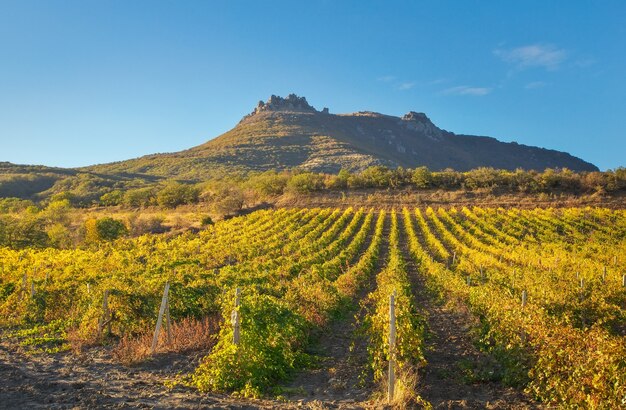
<point x="405" y="393"/>
<point x="186" y="335"/>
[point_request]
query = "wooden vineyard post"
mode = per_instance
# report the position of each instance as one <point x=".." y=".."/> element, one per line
<point x="523" y="335"/>
<point x="24" y="286"/>
<point x="392" y="347"/>
<point x="168" y="322"/>
<point x="604" y="274"/>
<point x="105" y="320"/>
<point x="453" y="258"/>
<point x="157" y="330"/>
<point x="235" y="318"/>
<point x="32" y="288"/>
<point x="624" y="281"/>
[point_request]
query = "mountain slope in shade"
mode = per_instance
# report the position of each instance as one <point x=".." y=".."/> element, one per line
<point x="287" y="133"/>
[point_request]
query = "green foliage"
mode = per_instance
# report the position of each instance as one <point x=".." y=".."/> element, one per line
<point x="227" y="199"/>
<point x="140" y="197"/>
<point x="113" y="198"/>
<point x="25" y="230"/>
<point x="305" y="183"/>
<point x="422" y="178"/>
<point x="269" y="183"/>
<point x="9" y="205"/>
<point x="206" y="221"/>
<point x="175" y="194"/>
<point x="104" y="229"/>
<point x="271" y="333"/>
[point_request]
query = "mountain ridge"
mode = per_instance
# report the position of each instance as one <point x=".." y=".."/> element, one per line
<point x="289" y="133"/>
<point x="304" y="137"/>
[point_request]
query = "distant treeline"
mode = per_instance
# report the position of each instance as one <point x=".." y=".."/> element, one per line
<point x="227" y="192"/>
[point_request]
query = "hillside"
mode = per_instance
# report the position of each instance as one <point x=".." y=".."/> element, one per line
<point x="287" y="132"/>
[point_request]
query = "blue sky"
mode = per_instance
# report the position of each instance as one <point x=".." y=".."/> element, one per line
<point x="84" y="82"/>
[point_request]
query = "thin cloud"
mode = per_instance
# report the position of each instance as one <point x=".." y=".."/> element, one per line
<point x="467" y="90"/>
<point x="534" y="55"/>
<point x="386" y="78"/>
<point x="406" y="86"/>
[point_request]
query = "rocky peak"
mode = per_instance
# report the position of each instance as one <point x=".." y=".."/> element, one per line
<point x="292" y="103"/>
<point x="416" y="116"/>
<point x="418" y="121"/>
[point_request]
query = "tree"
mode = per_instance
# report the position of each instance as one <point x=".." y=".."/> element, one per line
<point x="104" y="229"/>
<point x="269" y="183"/>
<point x="377" y="177"/>
<point x="227" y="200"/>
<point x="140" y="197"/>
<point x="175" y="194"/>
<point x="422" y="178"/>
<point x="305" y="183"/>
<point x="112" y="198"/>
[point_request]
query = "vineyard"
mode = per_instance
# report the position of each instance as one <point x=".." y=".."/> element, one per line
<point x="547" y="286"/>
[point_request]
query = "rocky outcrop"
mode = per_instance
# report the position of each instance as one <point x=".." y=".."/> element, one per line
<point x="419" y="122"/>
<point x="292" y="103"/>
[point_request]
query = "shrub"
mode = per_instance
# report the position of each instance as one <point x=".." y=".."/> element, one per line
<point x="112" y="198"/>
<point x="175" y="194"/>
<point x="305" y="183"/>
<point x="104" y="229"/>
<point x="269" y="183"/>
<point x="422" y="178"/>
<point x="139" y="197"/>
<point x="149" y="224"/>
<point x="227" y="200"/>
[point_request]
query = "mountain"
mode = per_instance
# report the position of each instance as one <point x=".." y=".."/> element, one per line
<point x="288" y="132"/>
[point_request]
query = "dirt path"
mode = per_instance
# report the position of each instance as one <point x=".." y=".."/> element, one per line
<point x="93" y="380"/>
<point x="457" y="374"/>
<point x="342" y="380"/>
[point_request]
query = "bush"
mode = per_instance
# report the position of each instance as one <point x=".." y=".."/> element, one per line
<point x="227" y="200"/>
<point x="145" y="225"/>
<point x="14" y="204"/>
<point x="141" y="197"/>
<point x="112" y="198"/>
<point x="305" y="183"/>
<point x="269" y="183"/>
<point x="104" y="229"/>
<point x="175" y="194"/>
<point x="422" y="178"/>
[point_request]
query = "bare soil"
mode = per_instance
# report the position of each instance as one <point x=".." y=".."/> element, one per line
<point x="95" y="380"/>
